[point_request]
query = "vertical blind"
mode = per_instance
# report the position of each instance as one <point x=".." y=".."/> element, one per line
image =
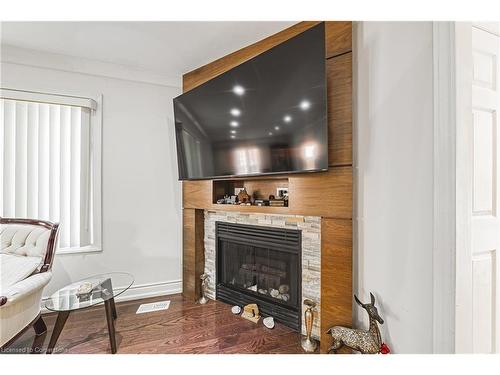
<point x="45" y="165"/>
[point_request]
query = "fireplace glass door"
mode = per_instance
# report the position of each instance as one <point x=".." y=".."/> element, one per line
<point x="262" y="271"/>
<point x="261" y="265"/>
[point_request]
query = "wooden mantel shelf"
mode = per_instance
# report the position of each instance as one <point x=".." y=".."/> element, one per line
<point x="256" y="209"/>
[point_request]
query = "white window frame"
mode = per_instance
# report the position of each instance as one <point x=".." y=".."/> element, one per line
<point x="96" y="173"/>
<point x="94" y="102"/>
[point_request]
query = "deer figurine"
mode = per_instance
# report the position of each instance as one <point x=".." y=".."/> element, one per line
<point x="366" y="342"/>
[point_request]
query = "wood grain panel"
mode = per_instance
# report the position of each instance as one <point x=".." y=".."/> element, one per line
<point x="193" y="255"/>
<point x="196" y="194"/>
<point x="336" y="276"/>
<point x="326" y="194"/>
<point x="338" y="35"/>
<point x="339" y="78"/>
<point x="222" y="65"/>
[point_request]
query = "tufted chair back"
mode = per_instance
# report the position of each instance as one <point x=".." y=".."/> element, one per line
<point x="31" y="238"/>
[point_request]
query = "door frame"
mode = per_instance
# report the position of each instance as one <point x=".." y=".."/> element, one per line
<point x="453" y="144"/>
<point x="444" y="225"/>
<point x="464" y="160"/>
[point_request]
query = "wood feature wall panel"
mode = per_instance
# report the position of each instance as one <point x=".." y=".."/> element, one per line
<point x="339" y="77"/>
<point x="222" y="65"/>
<point x="327" y="194"/>
<point x="197" y="194"/>
<point x="338" y="35"/>
<point x="336" y="276"/>
<point x="193" y="255"/>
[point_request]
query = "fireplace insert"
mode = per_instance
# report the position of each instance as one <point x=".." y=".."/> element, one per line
<point x="261" y="265"/>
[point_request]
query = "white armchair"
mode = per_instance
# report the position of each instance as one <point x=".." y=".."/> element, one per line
<point x="26" y="254"/>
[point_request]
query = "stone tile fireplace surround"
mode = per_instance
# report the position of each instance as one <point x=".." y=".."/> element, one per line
<point x="311" y="249"/>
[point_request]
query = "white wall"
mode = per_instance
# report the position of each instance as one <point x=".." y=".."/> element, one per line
<point x="393" y="141"/>
<point x="141" y="194"/>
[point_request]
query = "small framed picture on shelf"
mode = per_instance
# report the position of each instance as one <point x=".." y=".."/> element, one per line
<point x="281" y="192"/>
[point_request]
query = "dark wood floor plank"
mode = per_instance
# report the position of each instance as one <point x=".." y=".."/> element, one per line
<point x="185" y="327"/>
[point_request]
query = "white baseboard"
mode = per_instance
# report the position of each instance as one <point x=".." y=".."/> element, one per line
<point x="139" y="291"/>
<point x="151" y="290"/>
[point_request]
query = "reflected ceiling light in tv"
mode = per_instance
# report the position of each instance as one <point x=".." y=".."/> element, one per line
<point x="239" y="90"/>
<point x="235" y="112"/>
<point x="276" y="128"/>
<point x="233" y="131"/>
<point x="287" y="118"/>
<point x="234" y="124"/>
<point x="305" y="105"/>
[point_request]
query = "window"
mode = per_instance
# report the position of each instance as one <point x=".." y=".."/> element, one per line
<point x="50" y="167"/>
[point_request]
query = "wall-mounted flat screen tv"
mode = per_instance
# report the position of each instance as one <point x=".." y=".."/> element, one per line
<point x="267" y="115"/>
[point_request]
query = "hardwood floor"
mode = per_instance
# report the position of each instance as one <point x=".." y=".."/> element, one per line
<point x="185" y="328"/>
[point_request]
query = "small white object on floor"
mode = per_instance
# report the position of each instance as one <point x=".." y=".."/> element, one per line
<point x="154" y="306"/>
<point x="269" y="322"/>
<point x="235" y="310"/>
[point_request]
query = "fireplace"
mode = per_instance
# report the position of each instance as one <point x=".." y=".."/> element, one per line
<point x="257" y="264"/>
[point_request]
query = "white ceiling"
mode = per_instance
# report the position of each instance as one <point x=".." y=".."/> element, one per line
<point x="167" y="48"/>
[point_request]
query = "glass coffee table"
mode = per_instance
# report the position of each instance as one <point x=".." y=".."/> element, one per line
<point x="74" y="297"/>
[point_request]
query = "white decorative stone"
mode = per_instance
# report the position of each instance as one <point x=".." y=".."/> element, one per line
<point x="235" y="310"/>
<point x="269" y="322"/>
<point x="253" y="288"/>
<point x="274" y="293"/>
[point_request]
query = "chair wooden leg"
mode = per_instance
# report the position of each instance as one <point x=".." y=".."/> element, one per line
<point x="40" y="333"/>
<point x="39" y="326"/>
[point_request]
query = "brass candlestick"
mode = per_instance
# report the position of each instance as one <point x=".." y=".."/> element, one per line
<point x="204" y="286"/>
<point x="308" y="343"/>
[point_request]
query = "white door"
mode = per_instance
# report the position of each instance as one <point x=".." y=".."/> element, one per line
<point x="478" y="287"/>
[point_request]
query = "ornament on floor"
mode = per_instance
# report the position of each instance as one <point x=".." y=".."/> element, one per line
<point x="251" y="312"/>
<point x="365" y="342"/>
<point x="268" y="322"/>
<point x="308" y="343"/>
<point x="204" y="286"/>
<point x="235" y="310"/>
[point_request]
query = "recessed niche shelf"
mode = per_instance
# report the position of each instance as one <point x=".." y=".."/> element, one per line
<point x="257" y="188"/>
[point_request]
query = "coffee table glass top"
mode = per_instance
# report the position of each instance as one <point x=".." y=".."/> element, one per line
<point x="89" y="291"/>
